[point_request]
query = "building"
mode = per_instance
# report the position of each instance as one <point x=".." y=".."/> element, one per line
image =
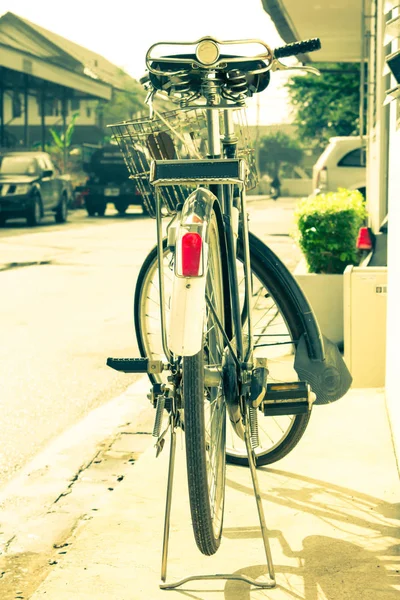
<point x="45" y="79"/>
<point x="368" y="32"/>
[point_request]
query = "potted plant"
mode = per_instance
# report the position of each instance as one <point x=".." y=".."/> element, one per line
<point x="326" y="230"/>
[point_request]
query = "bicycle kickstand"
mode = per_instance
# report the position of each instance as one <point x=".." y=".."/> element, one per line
<point x="271" y="582"/>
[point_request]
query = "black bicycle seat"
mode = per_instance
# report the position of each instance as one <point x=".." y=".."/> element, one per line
<point x="255" y="82"/>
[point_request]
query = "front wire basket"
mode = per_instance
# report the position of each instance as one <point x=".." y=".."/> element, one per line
<point x="174" y="135"/>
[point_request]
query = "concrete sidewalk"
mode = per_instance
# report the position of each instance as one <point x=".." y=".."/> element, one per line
<point x="332" y="507"/>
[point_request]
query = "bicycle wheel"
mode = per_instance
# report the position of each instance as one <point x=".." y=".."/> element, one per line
<point x="205" y="413"/>
<point x="275" y="322"/>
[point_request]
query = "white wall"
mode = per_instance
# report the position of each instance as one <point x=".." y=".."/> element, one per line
<point x="377" y="129"/>
<point x="393" y="306"/>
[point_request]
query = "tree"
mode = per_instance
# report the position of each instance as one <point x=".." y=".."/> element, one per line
<point x="276" y="150"/>
<point x="63" y="140"/>
<point x="123" y="106"/>
<point x="326" y="105"/>
<point x="127" y="102"/>
<point x="61" y="143"/>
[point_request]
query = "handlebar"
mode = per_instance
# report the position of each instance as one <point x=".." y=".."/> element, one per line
<point x="298" y="48"/>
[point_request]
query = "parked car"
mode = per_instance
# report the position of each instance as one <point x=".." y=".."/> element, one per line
<point x="31" y="187"/>
<point x="108" y="181"/>
<point x="341" y="165"/>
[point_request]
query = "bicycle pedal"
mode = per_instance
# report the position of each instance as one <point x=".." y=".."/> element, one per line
<point x="293" y="398"/>
<point x="135" y="365"/>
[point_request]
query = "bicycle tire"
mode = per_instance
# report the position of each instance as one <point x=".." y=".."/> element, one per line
<point x="149" y="343"/>
<point x="205" y="413"/>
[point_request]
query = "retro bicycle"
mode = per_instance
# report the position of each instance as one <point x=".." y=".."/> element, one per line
<point x="222" y="327"/>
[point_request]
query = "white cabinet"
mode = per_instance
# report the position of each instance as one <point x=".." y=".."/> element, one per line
<point x="364" y="319"/>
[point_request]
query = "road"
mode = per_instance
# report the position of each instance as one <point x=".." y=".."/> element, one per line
<point x="66" y="304"/>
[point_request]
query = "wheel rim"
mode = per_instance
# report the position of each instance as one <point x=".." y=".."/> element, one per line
<point x="267" y="321"/>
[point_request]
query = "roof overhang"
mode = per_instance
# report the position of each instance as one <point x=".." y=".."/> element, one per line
<point x="13" y="59"/>
<point x="338" y="24"/>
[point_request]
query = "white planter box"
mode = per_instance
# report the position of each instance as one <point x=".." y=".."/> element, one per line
<point x="365" y="300"/>
<point x="325" y="294"/>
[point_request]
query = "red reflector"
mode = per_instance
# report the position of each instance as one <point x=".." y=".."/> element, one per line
<point x="364" y="240"/>
<point x="191" y="254"/>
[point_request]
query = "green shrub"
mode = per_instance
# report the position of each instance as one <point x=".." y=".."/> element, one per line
<point x="327" y="228"/>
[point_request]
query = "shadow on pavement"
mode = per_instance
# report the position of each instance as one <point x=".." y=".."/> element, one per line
<point x="328" y="567"/>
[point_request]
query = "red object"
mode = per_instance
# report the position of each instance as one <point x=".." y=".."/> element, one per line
<point x="364" y="240"/>
<point x="191" y="254"/>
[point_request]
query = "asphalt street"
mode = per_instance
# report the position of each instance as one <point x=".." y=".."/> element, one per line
<point x="66" y="304"/>
<point x="82" y="493"/>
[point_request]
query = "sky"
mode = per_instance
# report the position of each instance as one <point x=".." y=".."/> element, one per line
<point x="122" y="31"/>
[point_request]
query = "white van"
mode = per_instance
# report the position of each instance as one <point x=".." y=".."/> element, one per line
<point x="341" y="165"/>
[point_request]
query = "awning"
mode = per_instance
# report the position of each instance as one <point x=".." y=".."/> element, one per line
<point x="15" y="60"/>
<point x="338" y="24"/>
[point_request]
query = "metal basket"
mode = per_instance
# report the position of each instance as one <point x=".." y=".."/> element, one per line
<point x="173" y="135"/>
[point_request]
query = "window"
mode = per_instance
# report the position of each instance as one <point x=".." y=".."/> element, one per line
<point x="355" y="158"/>
<point x="48" y="163"/>
<point x="18" y="165"/>
<point x="75" y="104"/>
<point x="16" y="105"/>
<point x="88" y="111"/>
<point x="42" y="164"/>
<point x="51" y="107"/>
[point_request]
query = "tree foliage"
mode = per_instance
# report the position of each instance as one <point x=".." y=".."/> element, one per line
<point x="63" y="140"/>
<point x="124" y="104"/>
<point x="278" y="149"/>
<point x="326" y="105"/>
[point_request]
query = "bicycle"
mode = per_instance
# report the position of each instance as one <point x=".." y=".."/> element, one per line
<point x="217" y="290"/>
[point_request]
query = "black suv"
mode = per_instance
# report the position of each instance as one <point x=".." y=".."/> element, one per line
<point x="30" y="187"/>
<point x="108" y="182"/>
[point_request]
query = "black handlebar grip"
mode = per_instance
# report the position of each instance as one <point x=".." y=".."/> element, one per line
<point x="298" y="48"/>
<point x="145" y="79"/>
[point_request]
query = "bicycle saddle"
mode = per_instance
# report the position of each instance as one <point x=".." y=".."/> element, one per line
<point x="193" y="77"/>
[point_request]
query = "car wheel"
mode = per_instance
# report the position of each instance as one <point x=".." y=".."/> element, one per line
<point x="121" y="207"/>
<point x="62" y="210"/>
<point x="101" y="210"/>
<point x="34" y="213"/>
<point x="90" y="207"/>
<point x="2" y="221"/>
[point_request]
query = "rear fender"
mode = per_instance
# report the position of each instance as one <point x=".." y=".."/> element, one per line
<point x="318" y="360"/>
<point x="185" y="331"/>
<point x="330" y="378"/>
